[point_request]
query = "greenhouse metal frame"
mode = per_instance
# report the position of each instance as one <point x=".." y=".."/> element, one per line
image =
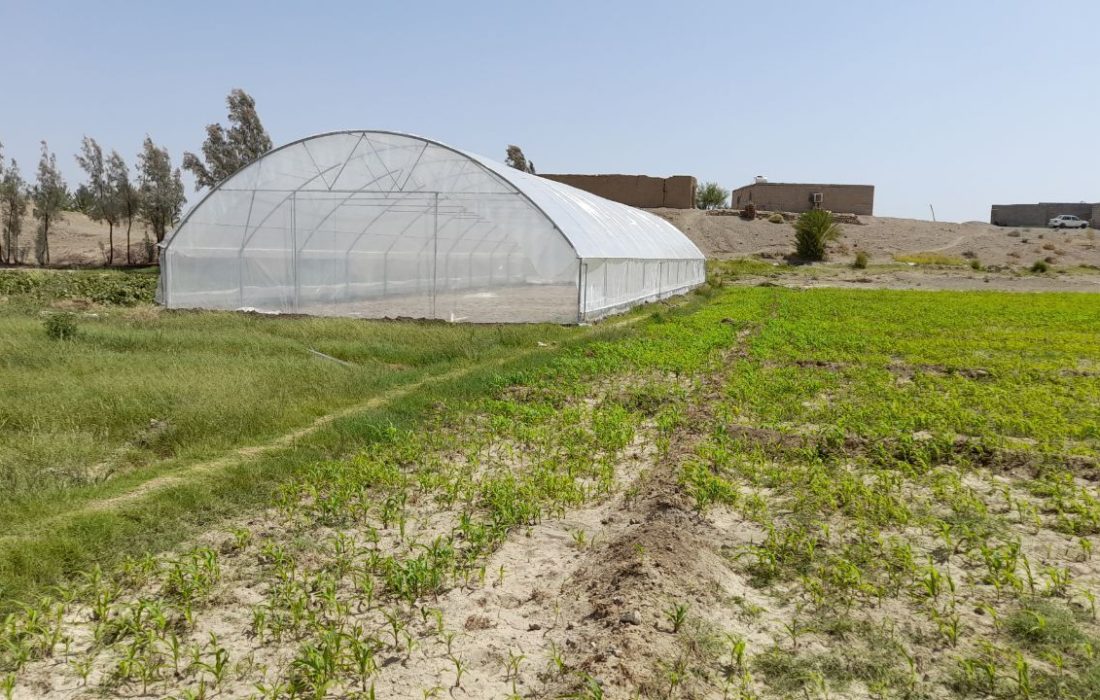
<point x="380" y="224"/>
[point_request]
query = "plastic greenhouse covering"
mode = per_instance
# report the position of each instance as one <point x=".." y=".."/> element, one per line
<point x="384" y="225"/>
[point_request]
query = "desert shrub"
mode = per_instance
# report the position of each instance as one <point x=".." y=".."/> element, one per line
<point x="776" y="218"/>
<point x="1040" y="266"/>
<point x="60" y="326"/>
<point x="975" y="264"/>
<point x="860" y="263"/>
<point x="710" y="196"/>
<point x="813" y="231"/>
<point x="1013" y="234"/>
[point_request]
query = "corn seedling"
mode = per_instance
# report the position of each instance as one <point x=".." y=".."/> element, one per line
<point x="677" y="615"/>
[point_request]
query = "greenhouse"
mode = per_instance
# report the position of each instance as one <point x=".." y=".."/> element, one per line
<point x="377" y="224"/>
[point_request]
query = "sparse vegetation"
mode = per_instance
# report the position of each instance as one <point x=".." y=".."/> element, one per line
<point x="776" y="218"/>
<point x="814" y="230"/>
<point x="1040" y="266"/>
<point x="930" y="259"/>
<point x="861" y="260"/>
<point x="711" y="195"/>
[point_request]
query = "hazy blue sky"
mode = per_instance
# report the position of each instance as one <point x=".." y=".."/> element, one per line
<point x="958" y="104"/>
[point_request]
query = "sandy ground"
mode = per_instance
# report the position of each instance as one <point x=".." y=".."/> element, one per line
<point x="881" y="238"/>
<point x="77" y="240"/>
<point x="955" y="279"/>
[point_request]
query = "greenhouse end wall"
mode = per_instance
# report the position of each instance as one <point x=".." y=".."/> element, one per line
<point x="613" y="286"/>
<point x="384" y="225"/>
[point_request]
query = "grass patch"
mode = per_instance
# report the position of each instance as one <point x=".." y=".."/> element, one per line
<point x="930" y="259"/>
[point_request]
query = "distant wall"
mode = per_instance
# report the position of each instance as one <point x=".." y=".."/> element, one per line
<point x="1039" y="214"/>
<point x="798" y="197"/>
<point x="676" y="192"/>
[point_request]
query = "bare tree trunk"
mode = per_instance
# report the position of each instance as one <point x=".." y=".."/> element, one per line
<point x="129" y="225"/>
<point x="110" y="243"/>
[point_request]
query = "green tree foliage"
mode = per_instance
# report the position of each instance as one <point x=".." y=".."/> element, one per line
<point x="711" y="196"/>
<point x="127" y="197"/>
<point x="83" y="200"/>
<point x="514" y="157"/>
<point x="812" y="232"/>
<point x="13" y="207"/>
<point x="228" y="149"/>
<point x="161" y="189"/>
<point x="50" y="198"/>
<point x="103" y="200"/>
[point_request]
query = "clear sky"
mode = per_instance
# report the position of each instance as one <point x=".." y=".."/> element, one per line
<point x="956" y="104"/>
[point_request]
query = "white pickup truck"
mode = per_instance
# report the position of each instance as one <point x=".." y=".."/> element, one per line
<point x="1067" y="221"/>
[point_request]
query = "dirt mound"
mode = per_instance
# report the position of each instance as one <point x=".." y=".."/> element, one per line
<point x="882" y="238"/>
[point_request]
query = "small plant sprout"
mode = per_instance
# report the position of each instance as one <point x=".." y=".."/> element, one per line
<point x="580" y="538"/>
<point x="511" y="667"/>
<point x="557" y="663"/>
<point x="737" y="645"/>
<point x="677" y="615"/>
<point x="242" y="537"/>
<point x="460" y="668"/>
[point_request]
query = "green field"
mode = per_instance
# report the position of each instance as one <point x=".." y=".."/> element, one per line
<point x="757" y="492"/>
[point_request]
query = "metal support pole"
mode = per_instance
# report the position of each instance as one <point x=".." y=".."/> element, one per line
<point x="582" y="291"/>
<point x="294" y="249"/>
<point x="435" y="249"/>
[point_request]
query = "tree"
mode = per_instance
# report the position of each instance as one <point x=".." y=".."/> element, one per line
<point x="227" y="150"/>
<point x="127" y="197"/>
<point x="50" y="198"/>
<point x="161" y="189"/>
<point x="710" y="196"/>
<point x="13" y="207"/>
<point x="83" y="199"/>
<point x="516" y="159"/>
<point x="813" y="230"/>
<point x="103" y="204"/>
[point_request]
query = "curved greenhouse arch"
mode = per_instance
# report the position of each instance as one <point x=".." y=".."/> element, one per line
<point x="381" y="224"/>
